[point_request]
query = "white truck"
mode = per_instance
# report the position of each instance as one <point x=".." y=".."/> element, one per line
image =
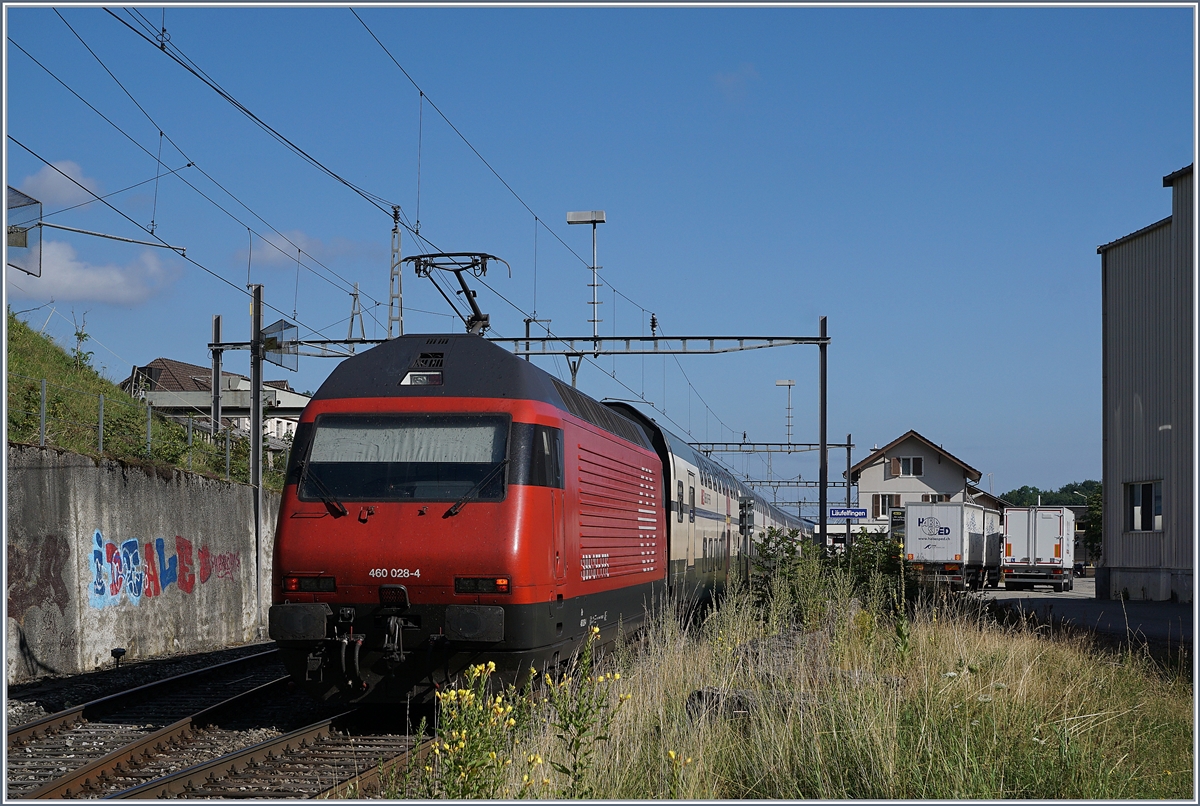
<point x="954" y="543"/>
<point x="1039" y="548"/>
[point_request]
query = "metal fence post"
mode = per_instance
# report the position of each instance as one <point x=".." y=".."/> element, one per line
<point x="42" y="419"/>
<point x="100" y="427"/>
<point x="149" y="424"/>
<point x="189" y="442"/>
<point x="226" y="454"/>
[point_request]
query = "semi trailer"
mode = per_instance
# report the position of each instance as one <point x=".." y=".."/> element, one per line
<point x="1039" y="547"/>
<point x="954" y="543"/>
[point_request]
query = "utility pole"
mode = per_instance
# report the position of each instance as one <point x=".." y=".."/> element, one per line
<point x="824" y="479"/>
<point x="848" y="447"/>
<point x="216" y="376"/>
<point x="256" y="433"/>
<point x="395" y="295"/>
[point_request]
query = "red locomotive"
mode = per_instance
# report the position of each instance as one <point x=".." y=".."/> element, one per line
<point x="448" y="503"/>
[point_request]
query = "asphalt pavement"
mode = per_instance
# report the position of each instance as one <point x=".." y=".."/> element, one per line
<point x="1165" y="624"/>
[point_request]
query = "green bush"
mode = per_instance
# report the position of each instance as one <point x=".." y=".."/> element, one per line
<point x="73" y="390"/>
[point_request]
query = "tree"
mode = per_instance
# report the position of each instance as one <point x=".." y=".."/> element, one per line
<point x="1064" y="496"/>
<point x="1092" y="525"/>
<point x="83" y="358"/>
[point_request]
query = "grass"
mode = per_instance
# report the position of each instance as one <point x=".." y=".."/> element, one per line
<point x="73" y="388"/>
<point x="833" y="689"/>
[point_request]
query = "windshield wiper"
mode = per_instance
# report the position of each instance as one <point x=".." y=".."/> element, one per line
<point x="452" y="511"/>
<point x="324" y="493"/>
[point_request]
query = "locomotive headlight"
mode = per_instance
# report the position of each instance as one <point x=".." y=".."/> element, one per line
<point x="422" y="379"/>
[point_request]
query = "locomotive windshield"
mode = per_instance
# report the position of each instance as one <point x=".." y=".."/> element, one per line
<point x="410" y="457"/>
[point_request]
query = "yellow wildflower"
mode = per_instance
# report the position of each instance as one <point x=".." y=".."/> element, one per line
<point x="671" y="754"/>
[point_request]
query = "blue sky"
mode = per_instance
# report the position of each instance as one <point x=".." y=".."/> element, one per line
<point x="935" y="181"/>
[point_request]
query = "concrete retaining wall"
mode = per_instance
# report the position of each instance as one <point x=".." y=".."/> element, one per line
<point x="102" y="554"/>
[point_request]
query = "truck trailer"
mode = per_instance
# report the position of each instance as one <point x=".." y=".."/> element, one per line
<point x="954" y="543"/>
<point x="1039" y="547"/>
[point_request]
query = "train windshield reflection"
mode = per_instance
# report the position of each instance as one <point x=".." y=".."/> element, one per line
<point x="409" y="457"/>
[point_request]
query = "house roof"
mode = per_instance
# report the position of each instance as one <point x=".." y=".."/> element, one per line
<point x="996" y="501"/>
<point x="972" y="473"/>
<point x="179" y="376"/>
<point x="1104" y="247"/>
<point x="1169" y="179"/>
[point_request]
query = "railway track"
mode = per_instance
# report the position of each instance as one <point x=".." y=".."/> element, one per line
<point x="206" y="733"/>
<point x="317" y="761"/>
<point x="47" y="757"/>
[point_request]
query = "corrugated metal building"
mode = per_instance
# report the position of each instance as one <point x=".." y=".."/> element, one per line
<point x="1148" y="321"/>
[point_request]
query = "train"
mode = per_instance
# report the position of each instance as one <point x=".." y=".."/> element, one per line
<point x="449" y="503"/>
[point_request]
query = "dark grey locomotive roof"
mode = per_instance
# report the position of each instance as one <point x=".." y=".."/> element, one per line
<point x="471" y="366"/>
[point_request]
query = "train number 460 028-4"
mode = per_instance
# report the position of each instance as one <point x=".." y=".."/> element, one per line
<point x="395" y="573"/>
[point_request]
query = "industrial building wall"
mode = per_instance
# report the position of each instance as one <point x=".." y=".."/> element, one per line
<point x="1181" y="507"/>
<point x="102" y="554"/>
<point x="1147" y="332"/>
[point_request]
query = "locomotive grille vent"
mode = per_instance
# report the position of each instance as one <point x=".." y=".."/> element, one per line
<point x="429" y="361"/>
<point x="599" y="415"/>
<point x="437" y="341"/>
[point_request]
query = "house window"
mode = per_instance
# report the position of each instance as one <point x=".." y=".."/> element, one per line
<point x="935" y="498"/>
<point x="908" y="466"/>
<point x="882" y="502"/>
<point x="1143" y="507"/>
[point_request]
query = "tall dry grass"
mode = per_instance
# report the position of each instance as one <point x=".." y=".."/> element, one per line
<point x="833" y="689"/>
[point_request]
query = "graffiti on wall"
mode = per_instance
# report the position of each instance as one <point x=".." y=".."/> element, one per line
<point x="132" y="571"/>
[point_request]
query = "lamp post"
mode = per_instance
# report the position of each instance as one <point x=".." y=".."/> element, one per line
<point x="592" y="217"/>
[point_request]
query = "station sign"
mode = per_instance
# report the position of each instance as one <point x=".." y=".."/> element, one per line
<point x="846" y="512"/>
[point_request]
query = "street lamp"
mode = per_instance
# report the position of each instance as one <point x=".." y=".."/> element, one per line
<point x="592" y="217"/>
<point x="789" y="385"/>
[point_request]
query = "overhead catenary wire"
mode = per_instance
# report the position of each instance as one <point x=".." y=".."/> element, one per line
<point x="423" y="98"/>
<point x="177" y="55"/>
<point x="115" y="192"/>
<point x="180" y="58"/>
<point x="130" y="219"/>
<point x="349" y="284"/>
<point x="183" y="179"/>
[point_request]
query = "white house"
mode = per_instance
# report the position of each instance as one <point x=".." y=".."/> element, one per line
<point x="911" y="469"/>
